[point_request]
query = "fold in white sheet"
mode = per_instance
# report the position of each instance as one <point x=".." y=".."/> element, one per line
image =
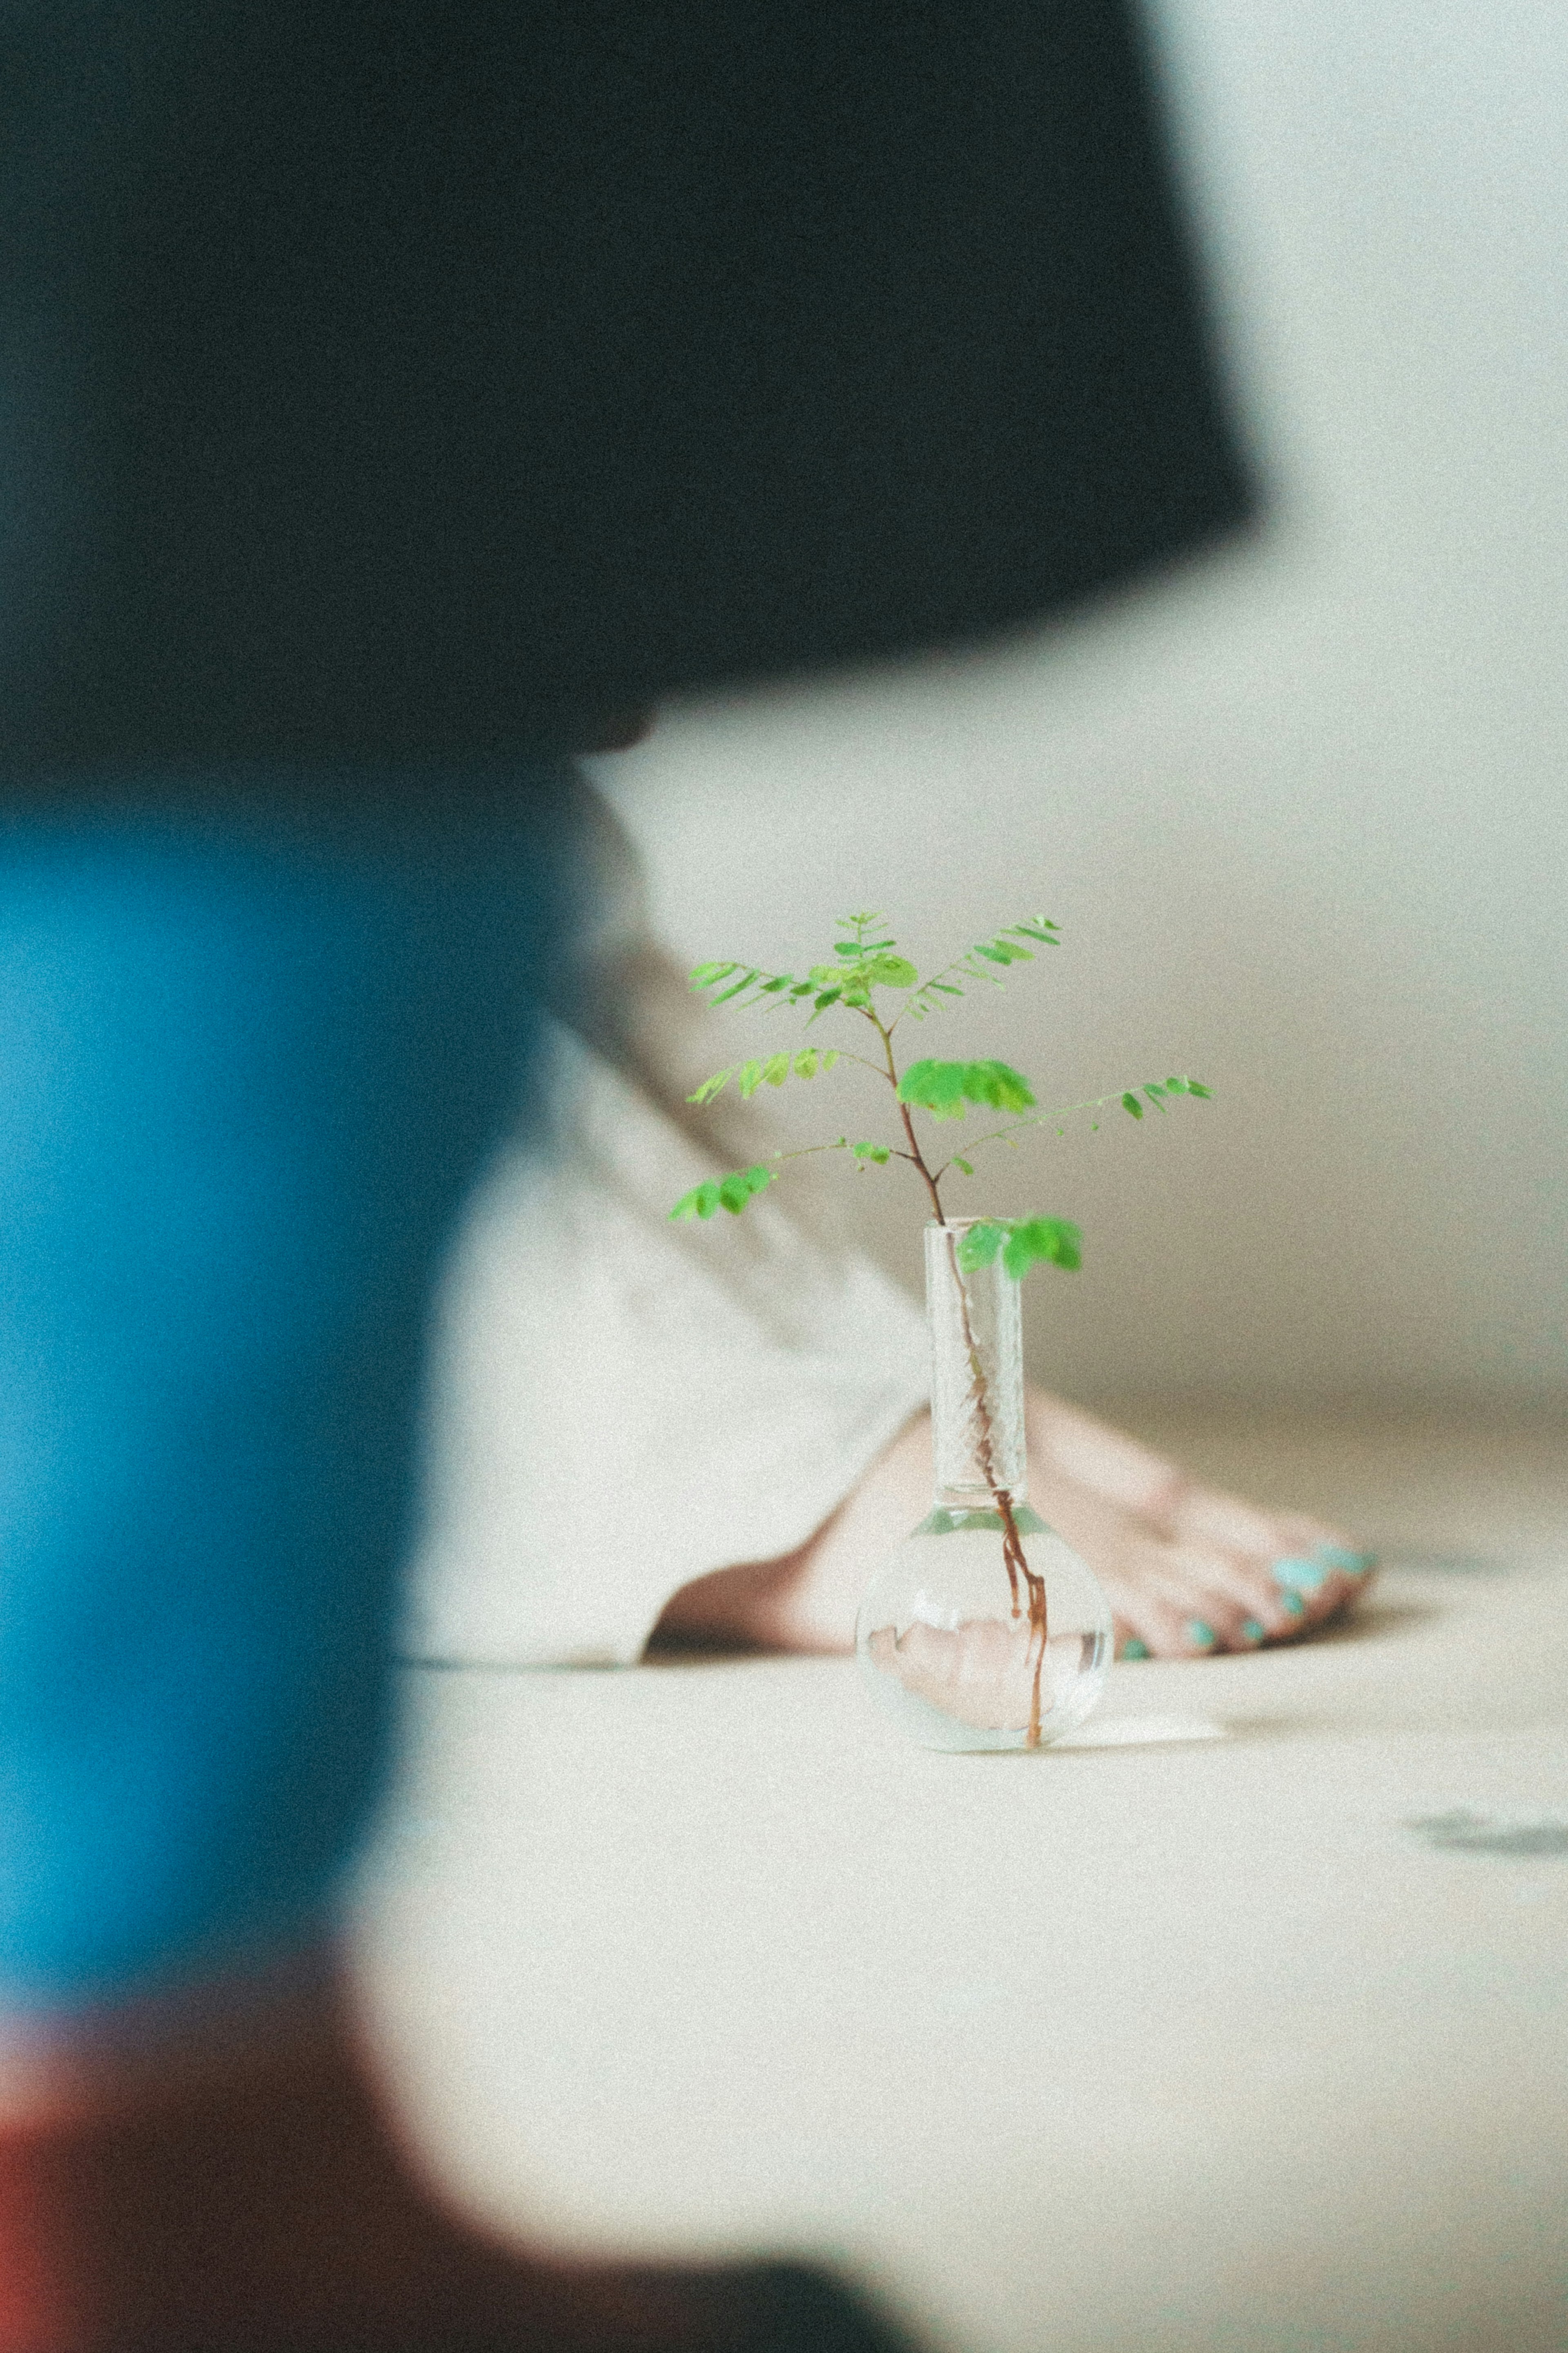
<point x="620" y="1405"/>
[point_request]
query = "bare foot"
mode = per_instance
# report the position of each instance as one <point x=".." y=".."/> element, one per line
<point x="1188" y="1570"/>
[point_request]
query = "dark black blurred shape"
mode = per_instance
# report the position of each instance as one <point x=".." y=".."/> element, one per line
<point x="388" y="378"/>
<point x="793" y="2309"/>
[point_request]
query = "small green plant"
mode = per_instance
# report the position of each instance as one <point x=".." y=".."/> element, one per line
<point x="870" y="980"/>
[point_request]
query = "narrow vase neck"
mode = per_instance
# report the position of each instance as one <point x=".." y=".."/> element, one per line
<point x="976" y="1375"/>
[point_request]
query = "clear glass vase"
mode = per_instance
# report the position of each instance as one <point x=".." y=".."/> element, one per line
<point x="983" y="1629"/>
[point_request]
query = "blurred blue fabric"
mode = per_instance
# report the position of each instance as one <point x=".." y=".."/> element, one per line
<point x="256" y="1042"/>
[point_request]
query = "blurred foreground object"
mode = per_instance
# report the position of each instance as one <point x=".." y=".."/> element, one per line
<point x="416" y="379"/>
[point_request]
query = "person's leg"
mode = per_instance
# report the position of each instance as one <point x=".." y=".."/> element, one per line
<point x="1188" y="1571"/>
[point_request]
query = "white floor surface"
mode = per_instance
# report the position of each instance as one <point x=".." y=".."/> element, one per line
<point x="1239" y="2027"/>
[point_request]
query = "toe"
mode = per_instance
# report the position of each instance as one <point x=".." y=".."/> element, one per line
<point x="1297" y="1572"/>
<point x="1291" y="1593"/>
<point x="1315" y="1586"/>
<point x="1226" y="1608"/>
<point x="1173" y="1602"/>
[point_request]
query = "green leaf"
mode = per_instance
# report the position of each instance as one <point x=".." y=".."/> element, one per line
<point x="1050" y="1241"/>
<point x="835" y="981"/>
<point x="979" y="1245"/>
<point x="749" y="981"/>
<point x="1201" y="1092"/>
<point x="891" y="972"/>
<point x="944" y="1087"/>
<point x="879" y="1153"/>
<point x="734" y="988"/>
<point x="1002" y="949"/>
<point x="735" y="1190"/>
<point x="1131" y="1102"/>
<point x="997" y="1084"/>
<point x="847" y="947"/>
<point x="772" y="1072"/>
<point x="1155" y="1094"/>
<point x="936" y="1087"/>
<point x="700" y="1202"/>
<point x="958" y="1161"/>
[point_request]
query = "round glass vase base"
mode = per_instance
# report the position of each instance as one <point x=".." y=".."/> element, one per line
<point x="942" y="1650"/>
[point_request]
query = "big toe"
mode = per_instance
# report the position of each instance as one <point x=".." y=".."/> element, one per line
<point x="1300" y="1572"/>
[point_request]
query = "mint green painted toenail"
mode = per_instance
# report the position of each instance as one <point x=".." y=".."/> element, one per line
<point x="1201" y="1636"/>
<point x="1133" y="1649"/>
<point x="1349" y="1564"/>
<point x="1252" y="1631"/>
<point x="1294" y="1604"/>
<point x="1300" y="1575"/>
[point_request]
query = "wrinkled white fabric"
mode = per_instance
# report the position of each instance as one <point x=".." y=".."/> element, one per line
<point x="620" y="1405"/>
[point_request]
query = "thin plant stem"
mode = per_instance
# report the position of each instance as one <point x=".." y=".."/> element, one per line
<point x="1013" y="1556"/>
<point x="1037" y="1119"/>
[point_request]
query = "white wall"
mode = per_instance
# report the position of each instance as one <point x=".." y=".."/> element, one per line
<point x="1302" y="814"/>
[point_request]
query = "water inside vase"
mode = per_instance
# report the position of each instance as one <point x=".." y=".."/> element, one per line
<point x="945" y="1653"/>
